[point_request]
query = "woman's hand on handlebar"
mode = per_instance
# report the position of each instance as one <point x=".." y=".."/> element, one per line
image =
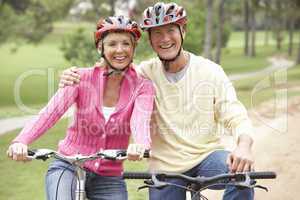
<point x="18" y="152"/>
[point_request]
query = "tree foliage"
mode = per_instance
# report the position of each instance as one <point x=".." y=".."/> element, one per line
<point x="79" y="48"/>
<point x="30" y="20"/>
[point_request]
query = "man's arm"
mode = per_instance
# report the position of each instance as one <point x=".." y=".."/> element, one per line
<point x="71" y="76"/>
<point x="232" y="113"/>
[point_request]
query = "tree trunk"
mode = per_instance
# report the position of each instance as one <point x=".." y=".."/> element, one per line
<point x="246" y="26"/>
<point x="298" y="57"/>
<point x="253" y="31"/>
<point x="291" y="33"/>
<point x="96" y="9"/>
<point x="112" y="6"/>
<point x="267" y="31"/>
<point x="267" y="23"/>
<point x="279" y="25"/>
<point x="220" y="32"/>
<point x="208" y="29"/>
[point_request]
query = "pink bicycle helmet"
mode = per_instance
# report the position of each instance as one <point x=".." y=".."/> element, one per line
<point x="163" y="13"/>
<point x="118" y="23"/>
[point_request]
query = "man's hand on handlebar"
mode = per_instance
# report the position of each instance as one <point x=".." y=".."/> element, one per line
<point x="135" y="152"/>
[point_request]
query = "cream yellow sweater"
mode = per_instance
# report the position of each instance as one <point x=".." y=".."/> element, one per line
<point x="188" y="113"/>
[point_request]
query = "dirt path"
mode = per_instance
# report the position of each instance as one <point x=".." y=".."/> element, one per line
<point x="13" y="123"/>
<point x="276" y="149"/>
<point x="276" y="63"/>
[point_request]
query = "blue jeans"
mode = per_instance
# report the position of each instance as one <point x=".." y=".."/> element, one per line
<point x="213" y="164"/>
<point x="97" y="187"/>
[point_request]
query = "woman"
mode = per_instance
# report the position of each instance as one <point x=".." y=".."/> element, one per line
<point x="111" y="101"/>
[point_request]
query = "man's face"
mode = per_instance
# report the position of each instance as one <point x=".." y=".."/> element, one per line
<point x="166" y="40"/>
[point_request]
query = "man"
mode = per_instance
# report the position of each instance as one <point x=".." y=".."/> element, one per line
<point x="193" y="96"/>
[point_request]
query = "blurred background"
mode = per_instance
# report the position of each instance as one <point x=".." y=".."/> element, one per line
<point x="257" y="42"/>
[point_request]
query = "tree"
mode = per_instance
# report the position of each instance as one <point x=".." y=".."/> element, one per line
<point x="268" y="19"/>
<point x="208" y="29"/>
<point x="291" y="26"/>
<point x="30" y="20"/>
<point x="246" y="26"/>
<point x="221" y="16"/>
<point x="112" y="6"/>
<point x="292" y="15"/>
<point x="297" y="7"/>
<point x="279" y="25"/>
<point x="78" y="48"/>
<point x="298" y="56"/>
<point x="254" y="7"/>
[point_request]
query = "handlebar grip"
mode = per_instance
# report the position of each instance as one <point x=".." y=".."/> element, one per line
<point x="136" y="175"/>
<point x="262" y="175"/>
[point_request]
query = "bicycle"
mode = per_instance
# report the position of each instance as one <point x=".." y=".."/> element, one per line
<point x="156" y="180"/>
<point x="77" y="161"/>
<point x="196" y="185"/>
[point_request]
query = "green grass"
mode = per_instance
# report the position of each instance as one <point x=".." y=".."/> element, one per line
<point x="25" y="181"/>
<point x="14" y="111"/>
<point x="294" y="74"/>
<point x="233" y="61"/>
<point x="29" y="72"/>
<point x="253" y="91"/>
<point x="35" y="66"/>
<point x="237" y="39"/>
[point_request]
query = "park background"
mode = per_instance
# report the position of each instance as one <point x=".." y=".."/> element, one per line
<point x="255" y="41"/>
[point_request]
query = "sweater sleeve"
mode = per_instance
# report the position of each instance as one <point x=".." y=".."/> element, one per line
<point x="49" y="115"/>
<point x="229" y="110"/>
<point x="141" y="115"/>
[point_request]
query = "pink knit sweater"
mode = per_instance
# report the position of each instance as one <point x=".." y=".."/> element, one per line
<point x="89" y="133"/>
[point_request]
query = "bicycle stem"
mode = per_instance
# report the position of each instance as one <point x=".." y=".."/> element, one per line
<point x="80" y="186"/>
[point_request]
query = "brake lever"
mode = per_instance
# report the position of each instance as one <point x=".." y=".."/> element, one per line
<point x="42" y="154"/>
<point x="261" y="187"/>
<point x="249" y="183"/>
<point x="153" y="183"/>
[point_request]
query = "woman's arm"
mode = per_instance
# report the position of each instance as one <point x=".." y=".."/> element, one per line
<point x="49" y="115"/>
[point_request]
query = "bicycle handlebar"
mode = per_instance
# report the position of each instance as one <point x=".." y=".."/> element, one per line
<point x="199" y="179"/>
<point x="246" y="180"/>
<point x="109" y="154"/>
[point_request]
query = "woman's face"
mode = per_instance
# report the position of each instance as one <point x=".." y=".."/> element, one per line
<point x="119" y="49"/>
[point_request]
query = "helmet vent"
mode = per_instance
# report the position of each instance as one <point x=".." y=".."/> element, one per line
<point x="157" y="10"/>
<point x="108" y="20"/>
<point x="171" y="8"/>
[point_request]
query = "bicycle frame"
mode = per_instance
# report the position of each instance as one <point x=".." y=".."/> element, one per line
<point x="80" y="184"/>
